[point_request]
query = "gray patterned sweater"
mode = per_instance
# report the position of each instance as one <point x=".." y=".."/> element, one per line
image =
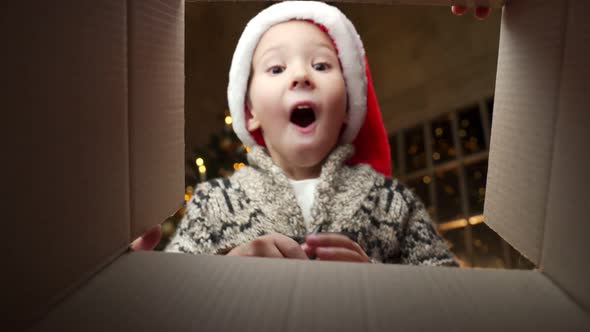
<point x="384" y="217"/>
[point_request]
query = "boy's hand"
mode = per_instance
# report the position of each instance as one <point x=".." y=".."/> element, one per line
<point x="149" y="240"/>
<point x="271" y="245"/>
<point x="334" y="247"/>
<point x="480" y="13"/>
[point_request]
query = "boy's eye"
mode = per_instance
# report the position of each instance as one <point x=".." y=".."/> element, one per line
<point x="276" y="69"/>
<point x="322" y="66"/>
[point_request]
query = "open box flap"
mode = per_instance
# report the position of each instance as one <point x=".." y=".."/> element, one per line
<point x="104" y="84"/>
<point x="523" y="130"/>
<point x="536" y="196"/>
<point x="156" y="111"/>
<point x="154" y="291"/>
<point x="74" y="83"/>
<point x="566" y="242"/>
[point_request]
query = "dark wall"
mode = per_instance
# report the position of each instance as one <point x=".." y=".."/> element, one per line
<point x="424" y="60"/>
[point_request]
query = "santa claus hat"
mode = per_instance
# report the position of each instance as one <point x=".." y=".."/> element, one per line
<point x="364" y="127"/>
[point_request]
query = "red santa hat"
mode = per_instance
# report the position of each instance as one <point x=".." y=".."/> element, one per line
<point x="364" y="128"/>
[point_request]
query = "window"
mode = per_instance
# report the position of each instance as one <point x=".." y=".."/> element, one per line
<point x="445" y="162"/>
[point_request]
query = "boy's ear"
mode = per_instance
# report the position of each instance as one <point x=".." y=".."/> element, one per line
<point x="252" y="122"/>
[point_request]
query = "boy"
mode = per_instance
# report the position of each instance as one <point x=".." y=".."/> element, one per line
<point x="301" y="97"/>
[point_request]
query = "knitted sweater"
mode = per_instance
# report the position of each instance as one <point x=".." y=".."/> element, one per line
<point x="386" y="218"/>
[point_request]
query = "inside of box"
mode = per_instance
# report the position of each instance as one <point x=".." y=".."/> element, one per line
<point x="87" y="127"/>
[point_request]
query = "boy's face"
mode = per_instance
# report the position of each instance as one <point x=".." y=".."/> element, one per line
<point x="297" y="95"/>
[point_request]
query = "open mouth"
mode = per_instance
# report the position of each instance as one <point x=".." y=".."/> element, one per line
<point x="303" y="116"/>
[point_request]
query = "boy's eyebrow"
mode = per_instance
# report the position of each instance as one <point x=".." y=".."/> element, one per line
<point x="327" y="46"/>
<point x="269" y="50"/>
<point x="319" y="45"/>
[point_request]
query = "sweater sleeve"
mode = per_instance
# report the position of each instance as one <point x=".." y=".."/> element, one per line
<point x="420" y="243"/>
<point x="199" y="232"/>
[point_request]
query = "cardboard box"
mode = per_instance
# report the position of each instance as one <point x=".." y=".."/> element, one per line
<point x="104" y="84"/>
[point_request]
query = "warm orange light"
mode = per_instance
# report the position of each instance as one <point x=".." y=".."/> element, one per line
<point x="476" y="219"/>
<point x="228" y="120"/>
<point x="452" y="224"/>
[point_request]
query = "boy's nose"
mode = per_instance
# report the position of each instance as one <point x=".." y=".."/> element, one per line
<point x="301" y="80"/>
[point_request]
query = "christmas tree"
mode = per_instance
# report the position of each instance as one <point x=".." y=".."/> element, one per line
<point x="221" y="157"/>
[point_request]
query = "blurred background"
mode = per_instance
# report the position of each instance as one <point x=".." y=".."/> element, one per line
<point x="434" y="75"/>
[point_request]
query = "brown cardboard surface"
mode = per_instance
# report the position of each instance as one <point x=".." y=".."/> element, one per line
<point x="75" y="217"/>
<point x="152" y="291"/>
<point x="523" y="127"/>
<point x="566" y="241"/>
<point x="156" y="111"/>
<point x="104" y="87"/>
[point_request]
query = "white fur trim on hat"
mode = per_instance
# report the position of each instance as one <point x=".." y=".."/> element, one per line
<point x="350" y="51"/>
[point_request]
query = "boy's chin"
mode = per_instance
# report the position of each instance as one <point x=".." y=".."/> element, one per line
<point x="310" y="155"/>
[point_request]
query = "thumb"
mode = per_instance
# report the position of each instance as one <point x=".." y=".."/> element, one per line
<point x="149" y="240"/>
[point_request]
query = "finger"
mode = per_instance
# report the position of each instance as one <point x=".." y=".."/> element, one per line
<point x="288" y="247"/>
<point x="309" y="250"/>
<point x="481" y="13"/>
<point x="263" y="247"/>
<point x="338" y="254"/>
<point x="330" y="240"/>
<point x="149" y="240"/>
<point x="458" y="10"/>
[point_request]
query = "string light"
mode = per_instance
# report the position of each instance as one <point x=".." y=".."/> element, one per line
<point x="238" y="165"/>
<point x="426" y="179"/>
<point x="436" y="156"/>
<point x="228" y="120"/>
<point x="199" y="161"/>
<point x="202" y="169"/>
<point x="438" y="131"/>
